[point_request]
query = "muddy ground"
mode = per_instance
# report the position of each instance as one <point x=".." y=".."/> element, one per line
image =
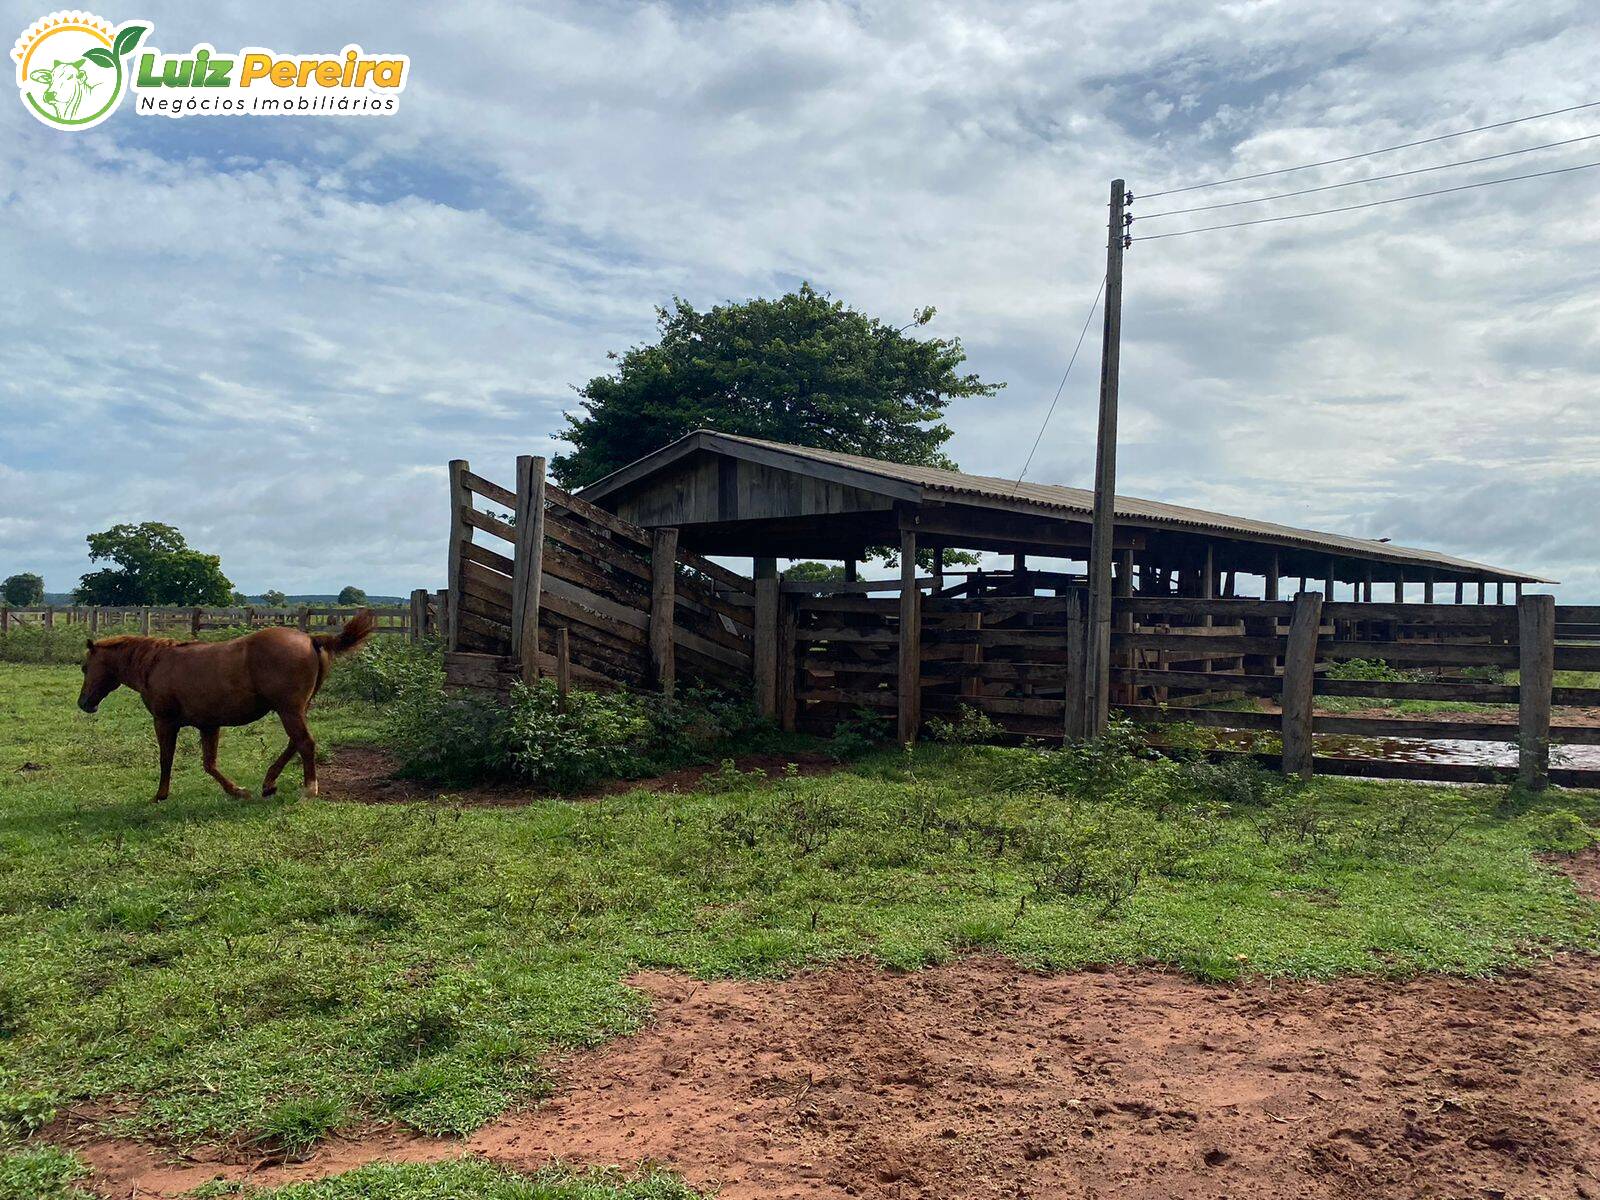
<point x="978" y="1079"/>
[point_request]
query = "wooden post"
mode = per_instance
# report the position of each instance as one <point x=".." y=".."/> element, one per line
<point x="1270" y="584"/>
<point x="1327" y="582"/>
<point x="972" y="656"/>
<point x="1299" y="676"/>
<point x="49" y="616"/>
<point x="5" y="620"/>
<point x="563" y="663"/>
<point x="1481" y="591"/>
<point x="1097" y="656"/>
<point x="765" y="650"/>
<point x="1536" y="635"/>
<point x="663" y="607"/>
<point x="1122" y="621"/>
<point x="1427" y="588"/>
<point x="528" y="565"/>
<point x="460" y="531"/>
<point x="419" y="613"/>
<point x="1500" y="591"/>
<point x="94" y="620"/>
<point x="910" y="664"/>
<point x="850" y="570"/>
<point x="1519" y="591"/>
<point x="303" y="619"/>
<point x="144" y="622"/>
<point x="1399" y="588"/>
<point x="194" y="623"/>
<point x="1461" y="591"/>
<point x="441" y="613"/>
<point x="788" y="666"/>
<point x="1077" y="707"/>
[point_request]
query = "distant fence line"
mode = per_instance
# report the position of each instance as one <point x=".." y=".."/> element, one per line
<point x="419" y="618"/>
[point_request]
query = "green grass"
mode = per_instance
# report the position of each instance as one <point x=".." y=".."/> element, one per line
<point x="465" y="1179"/>
<point x="262" y="972"/>
<point x="41" y="1173"/>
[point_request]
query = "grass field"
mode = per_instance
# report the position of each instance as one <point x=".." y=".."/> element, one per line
<point x="263" y="972"/>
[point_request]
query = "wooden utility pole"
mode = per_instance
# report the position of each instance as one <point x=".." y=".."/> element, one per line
<point x="1097" y="658"/>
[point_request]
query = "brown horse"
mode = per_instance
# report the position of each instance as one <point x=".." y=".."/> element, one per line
<point x="212" y="684"/>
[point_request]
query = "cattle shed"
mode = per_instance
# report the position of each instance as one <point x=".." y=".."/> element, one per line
<point x="627" y="584"/>
<point x="729" y="495"/>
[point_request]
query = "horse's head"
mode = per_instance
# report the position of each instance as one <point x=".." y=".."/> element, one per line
<point x="101" y="676"/>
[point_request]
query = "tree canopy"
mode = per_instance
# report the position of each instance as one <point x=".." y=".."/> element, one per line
<point x="273" y="598"/>
<point x="154" y="565"/>
<point x="351" y="594"/>
<point x="22" y="589"/>
<point x="803" y="368"/>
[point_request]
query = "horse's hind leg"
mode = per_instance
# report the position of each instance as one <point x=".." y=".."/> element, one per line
<point x="294" y="724"/>
<point x="208" y="748"/>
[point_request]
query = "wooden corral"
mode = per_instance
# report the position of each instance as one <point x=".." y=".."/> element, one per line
<point x="591" y="571"/>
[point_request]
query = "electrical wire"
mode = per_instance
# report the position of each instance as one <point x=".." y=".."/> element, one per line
<point x="1462" y="162"/>
<point x="1328" y="162"/>
<point x="1100" y="291"/>
<point x="1371" y="203"/>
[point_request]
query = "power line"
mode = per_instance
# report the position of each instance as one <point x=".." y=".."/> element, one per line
<point x="1461" y="162"/>
<point x="1328" y="162"/>
<point x="1100" y="291"/>
<point x="1321" y="212"/>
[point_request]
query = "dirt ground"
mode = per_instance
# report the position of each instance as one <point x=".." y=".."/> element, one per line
<point x="366" y="776"/>
<point x="980" y="1079"/>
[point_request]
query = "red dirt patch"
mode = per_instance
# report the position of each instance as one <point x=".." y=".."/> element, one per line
<point x="981" y="1079"/>
<point x="366" y="776"/>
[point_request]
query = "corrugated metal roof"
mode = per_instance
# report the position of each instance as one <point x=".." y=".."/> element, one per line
<point x="1056" y="498"/>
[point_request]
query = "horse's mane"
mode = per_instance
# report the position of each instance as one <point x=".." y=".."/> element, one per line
<point x="135" y="653"/>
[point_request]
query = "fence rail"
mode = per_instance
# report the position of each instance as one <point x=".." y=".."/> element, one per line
<point x="413" y="620"/>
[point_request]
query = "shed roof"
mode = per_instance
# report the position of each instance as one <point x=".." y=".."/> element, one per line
<point x="934" y="483"/>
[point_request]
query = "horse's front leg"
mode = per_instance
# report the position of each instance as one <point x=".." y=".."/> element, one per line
<point x="208" y="749"/>
<point x="167" y="740"/>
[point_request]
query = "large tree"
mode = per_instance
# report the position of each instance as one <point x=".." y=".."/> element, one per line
<point x="23" y="589"/>
<point x="351" y="594"/>
<point x="803" y="369"/>
<point x="153" y="565"/>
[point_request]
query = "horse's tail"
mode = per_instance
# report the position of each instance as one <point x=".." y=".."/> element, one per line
<point x="355" y="632"/>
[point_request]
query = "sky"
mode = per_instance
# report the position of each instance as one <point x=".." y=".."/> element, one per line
<point x="275" y="332"/>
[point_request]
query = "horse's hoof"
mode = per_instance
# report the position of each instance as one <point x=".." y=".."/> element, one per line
<point x="310" y="789"/>
<point x="269" y="791"/>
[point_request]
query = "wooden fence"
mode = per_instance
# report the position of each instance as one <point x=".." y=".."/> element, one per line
<point x="417" y="619"/>
<point x="551" y="585"/>
<point x="1016" y="659"/>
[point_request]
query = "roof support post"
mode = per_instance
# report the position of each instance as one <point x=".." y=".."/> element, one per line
<point x="910" y="664"/>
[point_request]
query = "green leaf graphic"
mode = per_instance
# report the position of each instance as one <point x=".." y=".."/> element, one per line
<point x="100" y="56"/>
<point x="128" y="39"/>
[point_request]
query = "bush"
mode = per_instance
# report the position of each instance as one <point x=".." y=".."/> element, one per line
<point x="447" y="737"/>
<point x="860" y="733"/>
<point x="23" y="1114"/>
<point x="42" y="1173"/>
<point x="384" y="668"/>
<point x="1373" y="670"/>
<point x="566" y="746"/>
<point x="971" y="727"/>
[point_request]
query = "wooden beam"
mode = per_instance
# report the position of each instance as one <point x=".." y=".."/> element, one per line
<point x="909" y="692"/>
<point x="1536" y="629"/>
<point x="460" y="501"/>
<point x="663" y="608"/>
<point x="528" y="570"/>
<point x="765" y="649"/>
<point x="1299" y="676"/>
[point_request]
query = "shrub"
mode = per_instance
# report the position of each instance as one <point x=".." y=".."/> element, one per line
<point x="860" y="733"/>
<point x="385" y="667"/>
<point x="458" y="737"/>
<point x="25" y="1113"/>
<point x="568" y="745"/>
<point x="1109" y="766"/>
<point x="1370" y="669"/>
<point x="1093" y="851"/>
<point x="971" y="727"/>
<point x="1235" y="784"/>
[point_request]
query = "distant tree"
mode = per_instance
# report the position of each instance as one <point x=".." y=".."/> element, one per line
<point x="238" y="599"/>
<point x="352" y="595"/>
<point x="273" y="598"/>
<point x="154" y="565"/>
<point x="802" y="369"/>
<point x="813" y="572"/>
<point x="23" y="589"/>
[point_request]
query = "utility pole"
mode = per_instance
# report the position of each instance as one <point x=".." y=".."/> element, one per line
<point x="1097" y="657"/>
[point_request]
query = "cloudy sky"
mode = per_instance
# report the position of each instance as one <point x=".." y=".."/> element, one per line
<point x="274" y="332"/>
